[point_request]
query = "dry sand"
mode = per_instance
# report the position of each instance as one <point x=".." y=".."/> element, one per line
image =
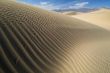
<point x="100" y="17"/>
<point x="71" y="13"/>
<point x="33" y="40"/>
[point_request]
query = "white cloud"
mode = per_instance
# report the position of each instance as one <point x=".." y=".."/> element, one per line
<point x="71" y="5"/>
<point x="43" y="3"/>
<point x="79" y="5"/>
<point x="47" y="5"/>
<point x="52" y="6"/>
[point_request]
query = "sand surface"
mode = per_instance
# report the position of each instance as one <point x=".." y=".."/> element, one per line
<point x="100" y="17"/>
<point x="33" y="40"/>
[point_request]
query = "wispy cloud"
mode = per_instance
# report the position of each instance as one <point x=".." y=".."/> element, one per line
<point x="53" y="6"/>
<point x="72" y="5"/>
<point x="47" y="5"/>
<point x="79" y="5"/>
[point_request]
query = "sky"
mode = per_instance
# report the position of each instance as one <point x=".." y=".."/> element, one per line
<point x="67" y="4"/>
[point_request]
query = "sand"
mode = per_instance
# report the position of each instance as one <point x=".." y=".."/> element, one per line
<point x="100" y="17"/>
<point x="71" y="13"/>
<point x="33" y="40"/>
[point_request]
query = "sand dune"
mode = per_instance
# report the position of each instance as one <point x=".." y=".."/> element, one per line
<point x="33" y="40"/>
<point x="71" y="13"/>
<point x="100" y="17"/>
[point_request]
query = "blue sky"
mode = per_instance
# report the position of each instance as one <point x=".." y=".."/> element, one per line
<point x="66" y="4"/>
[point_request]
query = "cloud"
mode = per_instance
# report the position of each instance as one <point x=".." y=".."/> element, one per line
<point x="53" y="6"/>
<point x="79" y="5"/>
<point x="71" y="5"/>
<point x="47" y="5"/>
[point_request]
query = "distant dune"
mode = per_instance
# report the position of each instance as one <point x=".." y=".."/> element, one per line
<point x="33" y="40"/>
<point x="71" y="13"/>
<point x="100" y="17"/>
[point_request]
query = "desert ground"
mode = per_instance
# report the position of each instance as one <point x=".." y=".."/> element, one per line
<point x="33" y="40"/>
<point x="100" y="17"/>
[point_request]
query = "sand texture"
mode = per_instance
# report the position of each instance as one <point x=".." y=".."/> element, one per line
<point x="33" y="40"/>
<point x="100" y="18"/>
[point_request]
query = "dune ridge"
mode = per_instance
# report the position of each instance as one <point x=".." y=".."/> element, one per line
<point x="33" y="40"/>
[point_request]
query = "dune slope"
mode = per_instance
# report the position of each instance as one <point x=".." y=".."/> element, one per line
<point x="100" y="18"/>
<point x="33" y="40"/>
